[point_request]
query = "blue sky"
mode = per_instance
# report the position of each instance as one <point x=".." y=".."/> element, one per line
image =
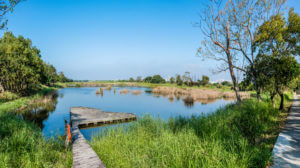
<point x="116" y="39"/>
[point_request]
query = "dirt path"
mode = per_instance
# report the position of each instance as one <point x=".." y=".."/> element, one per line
<point x="286" y="152"/>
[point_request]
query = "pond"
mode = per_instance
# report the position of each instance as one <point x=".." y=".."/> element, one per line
<point x="50" y="113"/>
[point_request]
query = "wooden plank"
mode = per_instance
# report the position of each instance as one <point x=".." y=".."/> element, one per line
<point x="82" y="117"/>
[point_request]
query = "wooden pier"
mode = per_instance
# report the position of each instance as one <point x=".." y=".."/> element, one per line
<point x="82" y="117"/>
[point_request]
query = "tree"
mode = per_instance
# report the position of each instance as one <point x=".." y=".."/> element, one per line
<point x="247" y="16"/>
<point x="179" y="81"/>
<point x="148" y="79"/>
<point x="131" y="80"/>
<point x="172" y="80"/>
<point x="157" y="79"/>
<point x="48" y="75"/>
<point x="277" y="44"/>
<point x="229" y="31"/>
<point x="186" y="77"/>
<point x="20" y="63"/>
<point x="217" y="45"/>
<point x="62" y="78"/>
<point x="5" y="7"/>
<point x="205" y="80"/>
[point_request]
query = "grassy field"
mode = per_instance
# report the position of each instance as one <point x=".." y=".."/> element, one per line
<point x="234" y="136"/>
<point x="22" y="143"/>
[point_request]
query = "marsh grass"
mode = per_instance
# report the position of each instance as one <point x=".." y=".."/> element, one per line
<point x="193" y="94"/>
<point x="227" y="138"/>
<point x="22" y="143"/>
<point x="136" y="92"/>
<point x="124" y="91"/>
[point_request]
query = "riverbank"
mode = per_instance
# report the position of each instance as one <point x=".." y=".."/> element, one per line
<point x="234" y="136"/>
<point x="137" y="84"/>
<point x="22" y="143"/>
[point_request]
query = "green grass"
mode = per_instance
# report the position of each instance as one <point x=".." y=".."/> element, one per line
<point x="22" y="143"/>
<point x="234" y="136"/>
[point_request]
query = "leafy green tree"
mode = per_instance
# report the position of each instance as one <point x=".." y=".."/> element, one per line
<point x="277" y="44"/>
<point x="62" y="78"/>
<point x="131" y="80"/>
<point x="157" y="79"/>
<point x="148" y="79"/>
<point x="21" y="64"/>
<point x="179" y="81"/>
<point x="172" y="80"/>
<point x="49" y="75"/>
<point x="205" y="80"/>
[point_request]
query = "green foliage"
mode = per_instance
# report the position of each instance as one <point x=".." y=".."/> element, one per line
<point x="179" y="81"/>
<point x="22" y="69"/>
<point x="131" y="80"/>
<point x="226" y="83"/>
<point x="277" y="43"/>
<point x="20" y="64"/>
<point x="223" y="139"/>
<point x="157" y="79"/>
<point x="7" y="96"/>
<point x="148" y="79"/>
<point x="62" y="78"/>
<point x="172" y="80"/>
<point x="22" y="143"/>
<point x="204" y="81"/>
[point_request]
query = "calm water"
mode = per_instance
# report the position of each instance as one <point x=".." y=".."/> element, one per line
<point x="51" y="117"/>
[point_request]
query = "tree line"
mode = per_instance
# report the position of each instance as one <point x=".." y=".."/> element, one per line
<point x="253" y="37"/>
<point x="180" y="80"/>
<point x="22" y="69"/>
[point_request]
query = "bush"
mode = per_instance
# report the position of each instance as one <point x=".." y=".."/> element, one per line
<point x="7" y="96"/>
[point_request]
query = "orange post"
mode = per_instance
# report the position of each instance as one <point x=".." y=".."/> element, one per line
<point x="69" y="133"/>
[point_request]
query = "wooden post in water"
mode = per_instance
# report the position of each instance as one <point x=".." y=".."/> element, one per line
<point x="67" y="133"/>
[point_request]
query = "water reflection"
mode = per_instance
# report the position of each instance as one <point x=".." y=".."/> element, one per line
<point x="38" y="110"/>
<point x="49" y="112"/>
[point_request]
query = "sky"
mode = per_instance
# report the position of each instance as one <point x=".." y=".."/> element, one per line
<point x="117" y="39"/>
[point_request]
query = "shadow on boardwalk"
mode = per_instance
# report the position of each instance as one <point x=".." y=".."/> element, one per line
<point x="286" y="152"/>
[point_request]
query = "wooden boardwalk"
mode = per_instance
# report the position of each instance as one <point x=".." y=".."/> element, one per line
<point x="82" y="117"/>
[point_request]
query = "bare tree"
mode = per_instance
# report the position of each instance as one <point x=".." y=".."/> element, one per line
<point x="230" y="30"/>
<point x="215" y="26"/>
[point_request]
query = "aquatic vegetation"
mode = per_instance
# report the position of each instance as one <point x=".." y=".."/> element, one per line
<point x="100" y="91"/>
<point x="108" y="87"/>
<point x="136" y="92"/>
<point x="124" y="91"/>
<point x="196" y="94"/>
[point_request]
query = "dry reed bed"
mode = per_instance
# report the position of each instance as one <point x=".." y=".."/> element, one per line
<point x="124" y="91"/>
<point x="100" y="91"/>
<point x="136" y="92"/>
<point x="95" y="84"/>
<point x="191" y="94"/>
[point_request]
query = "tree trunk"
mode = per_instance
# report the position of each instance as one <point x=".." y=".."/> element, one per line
<point x="281" y="101"/>
<point x="230" y="66"/>
<point x="272" y="99"/>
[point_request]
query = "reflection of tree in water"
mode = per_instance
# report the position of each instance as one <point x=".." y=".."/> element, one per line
<point x="38" y="111"/>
